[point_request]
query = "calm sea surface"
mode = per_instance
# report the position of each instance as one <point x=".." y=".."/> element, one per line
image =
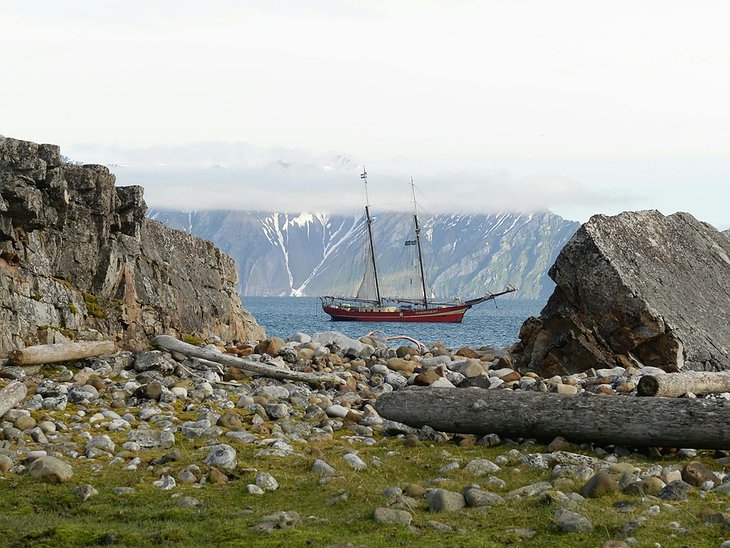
<point x="485" y="324"/>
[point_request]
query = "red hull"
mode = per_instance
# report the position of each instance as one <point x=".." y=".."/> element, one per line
<point x="447" y="314"/>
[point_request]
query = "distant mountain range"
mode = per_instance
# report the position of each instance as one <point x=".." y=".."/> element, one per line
<point x="282" y="254"/>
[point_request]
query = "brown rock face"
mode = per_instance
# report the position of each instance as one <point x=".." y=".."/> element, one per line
<point x="637" y="288"/>
<point x="79" y="254"/>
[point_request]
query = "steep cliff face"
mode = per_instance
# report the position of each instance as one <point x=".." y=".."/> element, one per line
<point x="78" y="254"/>
<point x="636" y="288"/>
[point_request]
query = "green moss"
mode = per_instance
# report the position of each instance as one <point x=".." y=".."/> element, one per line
<point x="93" y="307"/>
<point x="67" y="333"/>
<point x="36" y="296"/>
<point x="73" y="309"/>
<point x="192" y="339"/>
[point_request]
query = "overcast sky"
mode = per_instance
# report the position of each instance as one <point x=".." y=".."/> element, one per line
<point x="578" y="107"/>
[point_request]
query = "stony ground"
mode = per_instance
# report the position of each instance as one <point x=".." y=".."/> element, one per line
<point x="154" y="448"/>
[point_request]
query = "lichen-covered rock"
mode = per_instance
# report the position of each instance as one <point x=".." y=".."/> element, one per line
<point x="78" y="253"/>
<point x="636" y="288"/>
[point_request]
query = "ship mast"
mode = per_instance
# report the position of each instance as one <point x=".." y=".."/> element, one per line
<point x="364" y="177"/>
<point x="418" y="244"/>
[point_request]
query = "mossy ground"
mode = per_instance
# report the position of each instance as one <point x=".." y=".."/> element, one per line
<point x="38" y="514"/>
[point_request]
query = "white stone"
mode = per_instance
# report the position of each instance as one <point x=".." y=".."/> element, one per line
<point x="266" y="481"/>
<point x="337" y="411"/>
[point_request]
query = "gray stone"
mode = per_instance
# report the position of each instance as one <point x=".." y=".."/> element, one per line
<point x="322" y="468"/>
<point x="50" y="469"/>
<point x="100" y="443"/>
<point x="85" y="492"/>
<point x="476" y="497"/>
<point x="144" y="361"/>
<point x="222" y="456"/>
<point x="571" y="522"/>
<point x="676" y="490"/>
<point x="389" y="515"/>
<point x="449" y="467"/>
<point x="723" y="488"/>
<point x="529" y="490"/>
<point x="266" y="481"/>
<point x="354" y="461"/>
<point x="152" y="439"/>
<point x="165" y="483"/>
<point x="195" y="429"/>
<point x="277" y="411"/>
<point x="336" y="411"/>
<point x="187" y="476"/>
<point x="439" y="526"/>
<point x="442" y="500"/>
<point x="481" y="467"/>
<point x="277" y="521"/>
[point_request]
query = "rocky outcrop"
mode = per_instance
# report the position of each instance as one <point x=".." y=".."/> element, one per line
<point x="78" y="256"/>
<point x="637" y="288"/>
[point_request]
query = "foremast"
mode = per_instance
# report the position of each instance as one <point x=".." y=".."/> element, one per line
<point x="364" y="177"/>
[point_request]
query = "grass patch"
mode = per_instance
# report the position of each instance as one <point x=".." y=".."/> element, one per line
<point x="37" y="514"/>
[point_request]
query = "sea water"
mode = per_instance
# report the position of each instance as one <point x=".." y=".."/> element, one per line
<point x="493" y="323"/>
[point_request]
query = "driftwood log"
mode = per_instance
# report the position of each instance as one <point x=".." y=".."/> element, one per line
<point x="11" y="395"/>
<point x="608" y="420"/>
<point x="673" y="385"/>
<point x="61" y="352"/>
<point x="172" y="344"/>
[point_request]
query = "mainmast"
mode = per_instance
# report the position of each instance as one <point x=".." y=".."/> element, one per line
<point x="418" y="244"/>
<point x="364" y="177"/>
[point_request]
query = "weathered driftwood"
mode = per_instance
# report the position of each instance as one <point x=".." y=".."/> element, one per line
<point x="11" y="395"/>
<point x="673" y="385"/>
<point x="172" y="344"/>
<point x="376" y="336"/>
<point x="61" y="352"/>
<point x="608" y="420"/>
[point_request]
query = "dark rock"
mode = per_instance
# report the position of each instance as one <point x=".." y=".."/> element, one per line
<point x="695" y="473"/>
<point x="78" y="253"/>
<point x="637" y="283"/>
<point x="601" y="484"/>
<point x="677" y="490"/>
<point x="149" y="391"/>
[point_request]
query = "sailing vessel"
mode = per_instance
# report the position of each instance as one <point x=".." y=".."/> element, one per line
<point x="370" y="306"/>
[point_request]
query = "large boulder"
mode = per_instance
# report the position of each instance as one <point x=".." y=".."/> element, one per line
<point x="636" y="288"/>
<point x="77" y="253"/>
